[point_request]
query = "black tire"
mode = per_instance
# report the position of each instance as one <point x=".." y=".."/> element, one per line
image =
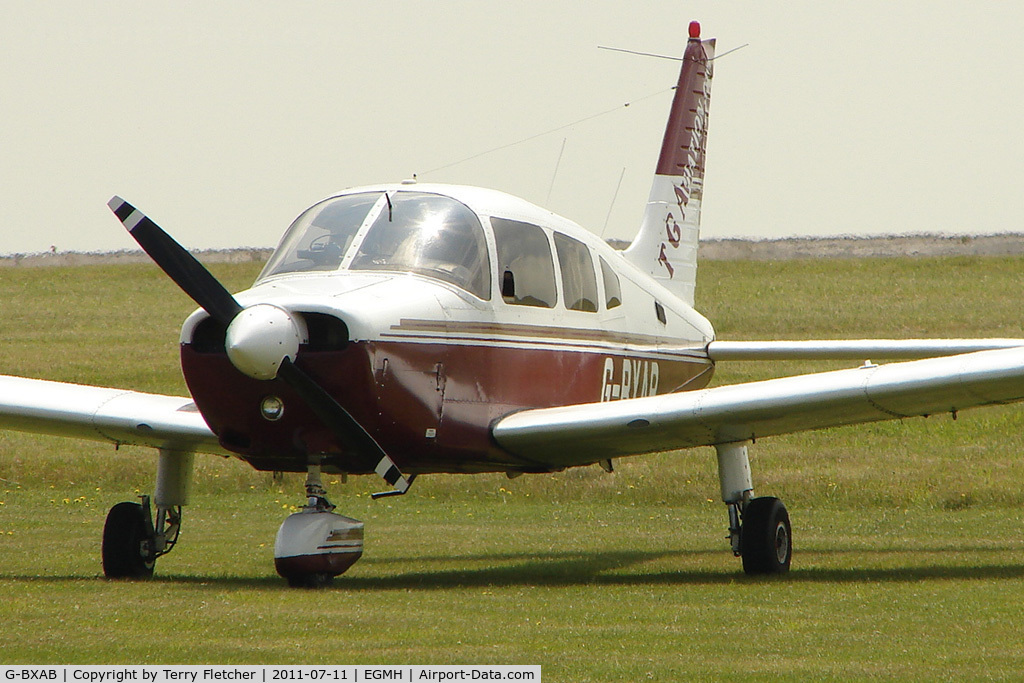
<point x="310" y="580"/>
<point x="766" y="538"/>
<point x="127" y="547"/>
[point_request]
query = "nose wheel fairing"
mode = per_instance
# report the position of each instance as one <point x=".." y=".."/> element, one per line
<point x="314" y="546"/>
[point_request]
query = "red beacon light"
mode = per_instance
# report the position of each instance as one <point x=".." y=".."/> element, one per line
<point x="694" y="30"/>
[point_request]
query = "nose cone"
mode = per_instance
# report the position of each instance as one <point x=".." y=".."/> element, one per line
<point x="259" y="339"/>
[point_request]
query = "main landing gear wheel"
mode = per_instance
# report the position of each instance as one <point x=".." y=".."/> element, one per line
<point x="766" y="539"/>
<point x="128" y="546"/>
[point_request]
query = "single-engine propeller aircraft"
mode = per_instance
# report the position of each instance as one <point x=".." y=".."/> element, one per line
<point x="410" y="329"/>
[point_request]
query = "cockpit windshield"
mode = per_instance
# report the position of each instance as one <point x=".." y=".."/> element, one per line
<point x="319" y="238"/>
<point x="431" y="235"/>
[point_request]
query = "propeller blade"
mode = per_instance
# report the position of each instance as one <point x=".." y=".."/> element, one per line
<point x="345" y="427"/>
<point x="187" y="272"/>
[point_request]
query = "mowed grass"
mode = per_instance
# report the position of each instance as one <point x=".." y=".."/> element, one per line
<point x="909" y="556"/>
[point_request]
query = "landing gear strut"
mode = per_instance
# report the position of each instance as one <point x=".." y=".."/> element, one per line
<point x="759" y="528"/>
<point x="314" y="545"/>
<point x="131" y="539"/>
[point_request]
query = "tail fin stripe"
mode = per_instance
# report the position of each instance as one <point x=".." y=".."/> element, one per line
<point x="673" y="209"/>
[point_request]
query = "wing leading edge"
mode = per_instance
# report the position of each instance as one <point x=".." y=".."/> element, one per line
<point x="581" y="434"/>
<point x="101" y="414"/>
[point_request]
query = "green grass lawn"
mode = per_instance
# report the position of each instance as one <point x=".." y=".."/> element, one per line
<point x="909" y="557"/>
<point x="591" y="591"/>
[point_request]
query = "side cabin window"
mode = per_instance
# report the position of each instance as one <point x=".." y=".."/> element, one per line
<point x="612" y="289"/>
<point x="431" y="235"/>
<point x="319" y="238"/>
<point x="527" y="272"/>
<point x="579" y="284"/>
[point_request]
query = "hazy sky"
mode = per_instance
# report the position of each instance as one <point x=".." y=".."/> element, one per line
<point x="224" y="120"/>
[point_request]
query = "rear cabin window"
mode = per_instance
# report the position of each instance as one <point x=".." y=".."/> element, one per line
<point x="612" y="289"/>
<point x="431" y="235"/>
<point x="525" y="267"/>
<point x="579" y="284"/>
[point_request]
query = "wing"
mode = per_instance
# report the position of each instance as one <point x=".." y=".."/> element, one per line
<point x="582" y="434"/>
<point x="853" y="349"/>
<point x="101" y="414"/>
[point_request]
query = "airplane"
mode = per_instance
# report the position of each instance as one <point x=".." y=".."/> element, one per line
<point x="411" y="328"/>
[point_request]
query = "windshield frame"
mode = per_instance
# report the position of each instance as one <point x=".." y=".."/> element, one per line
<point x="323" y="253"/>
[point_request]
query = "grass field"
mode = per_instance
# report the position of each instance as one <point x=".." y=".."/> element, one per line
<point x="909" y="557"/>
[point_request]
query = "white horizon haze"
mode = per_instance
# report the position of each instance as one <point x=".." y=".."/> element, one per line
<point x="224" y="121"/>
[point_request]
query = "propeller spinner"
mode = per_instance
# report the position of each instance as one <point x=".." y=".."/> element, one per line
<point x="262" y="340"/>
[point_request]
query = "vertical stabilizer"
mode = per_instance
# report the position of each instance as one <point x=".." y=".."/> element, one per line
<point x="666" y="245"/>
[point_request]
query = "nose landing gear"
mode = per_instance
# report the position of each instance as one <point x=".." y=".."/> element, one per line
<point x="315" y="544"/>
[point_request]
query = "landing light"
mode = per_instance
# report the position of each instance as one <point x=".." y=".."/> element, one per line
<point x="272" y="408"/>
